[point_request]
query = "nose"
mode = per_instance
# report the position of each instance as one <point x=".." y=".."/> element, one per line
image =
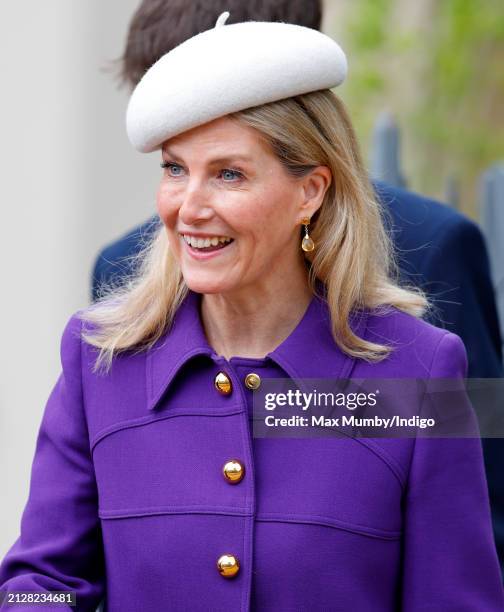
<point x="196" y="205"/>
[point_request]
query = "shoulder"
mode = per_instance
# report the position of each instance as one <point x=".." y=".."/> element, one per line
<point x="76" y="353"/>
<point x="70" y="343"/>
<point x="107" y="396"/>
<point x="419" y="349"/>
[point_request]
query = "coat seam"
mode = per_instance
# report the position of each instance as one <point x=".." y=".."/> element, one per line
<point x="386" y="458"/>
<point x="175" y="509"/>
<point x="147" y="420"/>
<point x="333" y="523"/>
<point x="434" y="355"/>
<point x="82" y="399"/>
<point x="246" y="513"/>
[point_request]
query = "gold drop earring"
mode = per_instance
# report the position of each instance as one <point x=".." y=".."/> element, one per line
<point x="307" y="243"/>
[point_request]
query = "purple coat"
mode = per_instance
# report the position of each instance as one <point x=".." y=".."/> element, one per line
<point x="128" y="501"/>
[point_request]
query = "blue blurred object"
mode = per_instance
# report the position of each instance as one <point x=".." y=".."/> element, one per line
<point x="492" y="221"/>
<point x="386" y="151"/>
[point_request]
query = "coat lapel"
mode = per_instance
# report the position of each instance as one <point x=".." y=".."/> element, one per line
<point x="308" y="352"/>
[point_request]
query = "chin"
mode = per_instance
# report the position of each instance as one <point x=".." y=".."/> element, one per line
<point x="207" y="285"/>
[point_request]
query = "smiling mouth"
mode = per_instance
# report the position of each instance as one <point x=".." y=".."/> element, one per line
<point x="206" y="245"/>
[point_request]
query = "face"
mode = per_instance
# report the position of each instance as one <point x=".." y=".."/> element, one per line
<point x="231" y="212"/>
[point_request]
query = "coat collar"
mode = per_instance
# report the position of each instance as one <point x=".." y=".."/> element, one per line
<point x="308" y="352"/>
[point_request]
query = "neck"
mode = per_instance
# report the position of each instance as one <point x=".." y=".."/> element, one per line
<point x="253" y="323"/>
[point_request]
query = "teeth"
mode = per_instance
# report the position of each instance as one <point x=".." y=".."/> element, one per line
<point x="200" y="243"/>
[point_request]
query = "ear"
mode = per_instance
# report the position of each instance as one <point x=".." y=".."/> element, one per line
<point x="314" y="186"/>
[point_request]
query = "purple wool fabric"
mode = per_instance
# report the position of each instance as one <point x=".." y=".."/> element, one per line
<point x="128" y="501"/>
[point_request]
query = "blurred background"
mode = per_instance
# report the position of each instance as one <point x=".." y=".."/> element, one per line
<point x="438" y="68"/>
<point x="425" y="92"/>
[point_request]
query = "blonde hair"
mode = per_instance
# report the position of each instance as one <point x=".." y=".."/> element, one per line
<point x="353" y="257"/>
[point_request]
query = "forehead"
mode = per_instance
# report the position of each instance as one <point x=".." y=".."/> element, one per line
<point x="222" y="136"/>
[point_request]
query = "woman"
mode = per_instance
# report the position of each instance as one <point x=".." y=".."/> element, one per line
<point x="147" y="486"/>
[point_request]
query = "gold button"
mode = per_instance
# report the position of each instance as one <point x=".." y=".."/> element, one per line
<point x="222" y="383"/>
<point x="228" y="566"/>
<point x="252" y="381"/>
<point x="233" y="471"/>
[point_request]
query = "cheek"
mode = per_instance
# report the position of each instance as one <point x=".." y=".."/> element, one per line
<point x="246" y="217"/>
<point x="166" y="204"/>
<point x="274" y="216"/>
<point x="167" y="210"/>
<point x="264" y="228"/>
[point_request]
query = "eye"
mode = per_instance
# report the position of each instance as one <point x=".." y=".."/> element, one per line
<point x="229" y="175"/>
<point x="173" y="168"/>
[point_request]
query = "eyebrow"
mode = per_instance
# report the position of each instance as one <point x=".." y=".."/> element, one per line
<point x="216" y="160"/>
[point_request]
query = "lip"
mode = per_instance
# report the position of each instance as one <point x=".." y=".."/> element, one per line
<point x="181" y="234"/>
<point x="202" y="255"/>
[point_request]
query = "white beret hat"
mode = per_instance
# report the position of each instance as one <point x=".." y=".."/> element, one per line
<point x="227" y="69"/>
